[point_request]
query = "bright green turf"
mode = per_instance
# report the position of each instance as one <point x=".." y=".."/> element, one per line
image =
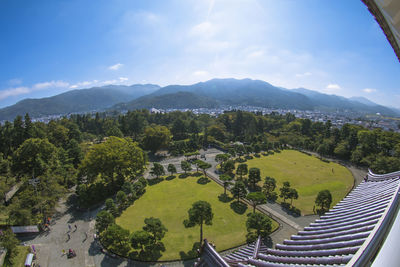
<point x="170" y="200"/>
<point x="307" y="174"/>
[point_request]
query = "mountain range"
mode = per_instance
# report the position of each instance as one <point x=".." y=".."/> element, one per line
<point x="209" y="94"/>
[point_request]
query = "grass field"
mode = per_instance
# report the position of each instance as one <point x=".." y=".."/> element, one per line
<point x="170" y="200"/>
<point x="19" y="259"/>
<point x="307" y="174"/>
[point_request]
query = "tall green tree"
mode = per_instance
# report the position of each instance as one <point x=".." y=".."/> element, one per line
<point x="293" y="194"/>
<point x="204" y="166"/>
<point x="34" y="157"/>
<point x="116" y="157"/>
<point x="103" y="220"/>
<point x="242" y="170"/>
<point x="140" y="239"/>
<point x="116" y="239"/>
<point x="171" y="168"/>
<point x="239" y="190"/>
<point x="269" y="185"/>
<point x="157" y="169"/>
<point x="155" y="227"/>
<point x="200" y="213"/>
<point x="226" y="179"/>
<point x="324" y="199"/>
<point x="256" y="198"/>
<point x="285" y="191"/>
<point x="156" y="137"/>
<point x="186" y="166"/>
<point x="259" y="222"/>
<point x="254" y="176"/>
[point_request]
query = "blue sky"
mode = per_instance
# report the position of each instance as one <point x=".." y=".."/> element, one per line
<point x="335" y="47"/>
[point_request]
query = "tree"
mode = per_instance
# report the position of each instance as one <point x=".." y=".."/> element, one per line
<point x="155" y="227"/>
<point x="186" y="166"/>
<point x="293" y="195"/>
<point x="157" y="169"/>
<point x="204" y="166"/>
<point x="116" y="239"/>
<point x="254" y="176"/>
<point x="261" y="223"/>
<point x="200" y="213"/>
<point x="156" y="137"/>
<point x="198" y="163"/>
<point x="178" y="129"/>
<point x="228" y="166"/>
<point x="269" y="185"/>
<point x="256" y="198"/>
<point x="226" y="179"/>
<point x="324" y="199"/>
<point x="239" y="190"/>
<point x="285" y="191"/>
<point x="171" y="168"/>
<point x="221" y="158"/>
<point x="103" y="220"/>
<point x="122" y="200"/>
<point x="140" y="239"/>
<point x="119" y="157"/>
<point x="34" y="157"/>
<point x="9" y="242"/>
<point x="110" y="207"/>
<point x="241" y="170"/>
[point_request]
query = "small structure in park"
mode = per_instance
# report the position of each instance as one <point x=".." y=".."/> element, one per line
<point x="350" y="234"/>
<point x="25" y="230"/>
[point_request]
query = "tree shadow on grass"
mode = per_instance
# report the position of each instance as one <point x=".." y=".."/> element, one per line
<point x="239" y="207"/>
<point x="225" y="198"/>
<point x="184" y="175"/>
<point x="191" y="253"/>
<point x="150" y="253"/>
<point x="197" y="174"/>
<point x="203" y="180"/>
<point x="155" y="181"/>
<point x="171" y="177"/>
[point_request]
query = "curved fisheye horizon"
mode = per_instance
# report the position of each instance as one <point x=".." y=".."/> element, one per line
<point x="335" y="48"/>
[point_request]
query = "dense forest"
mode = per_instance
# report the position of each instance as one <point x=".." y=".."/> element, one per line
<point x="99" y="153"/>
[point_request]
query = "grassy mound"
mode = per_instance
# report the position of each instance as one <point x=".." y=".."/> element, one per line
<point x="307" y="174"/>
<point x="170" y="200"/>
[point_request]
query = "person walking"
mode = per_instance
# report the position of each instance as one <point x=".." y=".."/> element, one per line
<point x="69" y="227"/>
<point x="76" y="227"/>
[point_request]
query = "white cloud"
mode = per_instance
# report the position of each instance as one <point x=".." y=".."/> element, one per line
<point x="53" y="84"/>
<point x="305" y="74"/>
<point x="333" y="87"/>
<point x="116" y="66"/>
<point x="84" y="84"/>
<point x="14" y="92"/>
<point x="200" y="73"/>
<point x="22" y="90"/>
<point x="369" y="90"/>
<point x="123" y="79"/>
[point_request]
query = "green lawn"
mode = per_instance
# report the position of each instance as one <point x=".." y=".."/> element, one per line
<point x="307" y="174"/>
<point x="170" y="200"/>
<point x="19" y="259"/>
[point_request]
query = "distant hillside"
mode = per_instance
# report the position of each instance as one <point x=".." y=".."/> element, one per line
<point x="174" y="100"/>
<point x="83" y="100"/>
<point x="333" y="102"/>
<point x="243" y="92"/>
<point x="209" y="94"/>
